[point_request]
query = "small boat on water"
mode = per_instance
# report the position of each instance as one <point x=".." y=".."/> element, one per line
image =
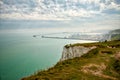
<point x="34" y="35"/>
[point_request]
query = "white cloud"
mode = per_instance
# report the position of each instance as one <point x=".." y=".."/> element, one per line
<point x="114" y="6"/>
<point x="45" y="10"/>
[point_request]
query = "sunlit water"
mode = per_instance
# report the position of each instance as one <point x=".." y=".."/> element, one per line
<point x="22" y="55"/>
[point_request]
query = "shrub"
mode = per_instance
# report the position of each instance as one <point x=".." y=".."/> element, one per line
<point x="116" y="66"/>
<point x="67" y="46"/>
<point x="107" y="52"/>
<point x="91" y="53"/>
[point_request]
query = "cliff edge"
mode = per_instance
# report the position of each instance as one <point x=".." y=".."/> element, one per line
<point x="70" y="52"/>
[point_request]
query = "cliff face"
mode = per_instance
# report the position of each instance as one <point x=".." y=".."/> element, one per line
<point x="75" y="51"/>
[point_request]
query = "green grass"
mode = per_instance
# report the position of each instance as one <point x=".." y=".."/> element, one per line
<point x="115" y="37"/>
<point x="91" y="53"/>
<point x="71" y="69"/>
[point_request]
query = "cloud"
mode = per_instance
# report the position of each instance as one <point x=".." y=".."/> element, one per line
<point x="56" y="9"/>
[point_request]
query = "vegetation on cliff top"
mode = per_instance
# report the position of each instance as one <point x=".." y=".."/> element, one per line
<point x="115" y="34"/>
<point x="101" y="63"/>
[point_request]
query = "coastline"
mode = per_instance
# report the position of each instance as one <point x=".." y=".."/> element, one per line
<point x="69" y="67"/>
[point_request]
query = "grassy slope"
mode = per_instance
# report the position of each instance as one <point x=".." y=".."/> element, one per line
<point x="98" y="64"/>
<point x="115" y="36"/>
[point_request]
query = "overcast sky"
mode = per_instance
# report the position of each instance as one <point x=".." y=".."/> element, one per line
<point x="83" y="14"/>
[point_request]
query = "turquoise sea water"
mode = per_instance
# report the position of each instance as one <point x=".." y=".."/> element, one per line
<point x="22" y="55"/>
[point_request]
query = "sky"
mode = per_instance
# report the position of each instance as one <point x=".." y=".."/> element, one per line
<point x="87" y="15"/>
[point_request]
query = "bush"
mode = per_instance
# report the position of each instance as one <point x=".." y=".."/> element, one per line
<point x="91" y="53"/>
<point x="116" y="66"/>
<point x="107" y="52"/>
<point x="67" y="46"/>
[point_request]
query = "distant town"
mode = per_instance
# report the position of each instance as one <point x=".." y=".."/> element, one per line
<point x="82" y="36"/>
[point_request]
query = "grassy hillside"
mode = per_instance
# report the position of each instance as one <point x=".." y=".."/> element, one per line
<point x="115" y="34"/>
<point x="115" y="37"/>
<point x="116" y="31"/>
<point x="102" y="63"/>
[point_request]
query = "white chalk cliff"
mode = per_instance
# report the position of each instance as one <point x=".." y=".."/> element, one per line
<point x="74" y="51"/>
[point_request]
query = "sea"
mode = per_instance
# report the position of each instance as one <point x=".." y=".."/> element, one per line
<point x="22" y="55"/>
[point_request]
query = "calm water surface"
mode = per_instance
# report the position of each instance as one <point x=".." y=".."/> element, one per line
<point x="22" y="55"/>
